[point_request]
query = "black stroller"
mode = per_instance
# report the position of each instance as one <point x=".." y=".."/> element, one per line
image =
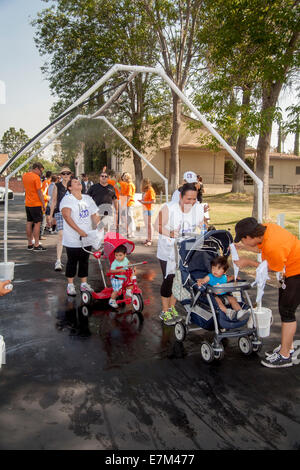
<point x="195" y="254"/>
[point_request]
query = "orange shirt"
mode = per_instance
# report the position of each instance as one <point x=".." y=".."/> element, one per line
<point x="123" y="185"/>
<point x="45" y="186"/>
<point x="280" y="249"/>
<point x="32" y="183"/>
<point x="130" y="194"/>
<point x="149" y="196"/>
<point x="115" y="185"/>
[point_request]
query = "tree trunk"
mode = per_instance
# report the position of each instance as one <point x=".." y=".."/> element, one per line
<point x="279" y="137"/>
<point x="296" y="143"/>
<point x="238" y="174"/>
<point x="138" y="171"/>
<point x="174" y="142"/>
<point x="270" y="94"/>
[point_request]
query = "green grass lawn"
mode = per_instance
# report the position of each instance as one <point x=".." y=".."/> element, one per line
<point x="227" y="209"/>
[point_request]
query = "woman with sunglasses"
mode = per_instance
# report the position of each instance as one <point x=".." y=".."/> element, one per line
<point x="59" y="192"/>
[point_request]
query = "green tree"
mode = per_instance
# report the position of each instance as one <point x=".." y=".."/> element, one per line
<point x="176" y="23"/>
<point x="82" y="40"/>
<point x="254" y="44"/>
<point x="12" y="141"/>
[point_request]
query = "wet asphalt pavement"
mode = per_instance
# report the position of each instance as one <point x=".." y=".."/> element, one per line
<point x="94" y="380"/>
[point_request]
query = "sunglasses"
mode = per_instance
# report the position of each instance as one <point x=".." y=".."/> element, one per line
<point x="104" y="176"/>
<point x="66" y="173"/>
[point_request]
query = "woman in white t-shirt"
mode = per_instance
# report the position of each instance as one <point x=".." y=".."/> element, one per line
<point x="174" y="220"/>
<point x="79" y="213"/>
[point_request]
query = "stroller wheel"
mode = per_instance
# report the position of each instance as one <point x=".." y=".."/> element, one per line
<point x="207" y="352"/>
<point x="180" y="331"/>
<point x="256" y="345"/>
<point x="219" y="351"/>
<point x="137" y="302"/>
<point x="86" y="298"/>
<point x="245" y="345"/>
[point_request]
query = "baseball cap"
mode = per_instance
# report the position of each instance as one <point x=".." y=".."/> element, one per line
<point x="245" y="227"/>
<point x="190" y="177"/>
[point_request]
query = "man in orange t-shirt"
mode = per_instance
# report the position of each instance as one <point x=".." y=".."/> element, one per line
<point x="34" y="205"/>
<point x="281" y="250"/>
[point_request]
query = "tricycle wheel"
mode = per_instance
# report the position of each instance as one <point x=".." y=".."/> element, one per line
<point x="86" y="298"/>
<point x="137" y="302"/>
<point x="207" y="352"/>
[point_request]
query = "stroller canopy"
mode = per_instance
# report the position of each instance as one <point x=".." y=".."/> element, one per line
<point x="196" y="253"/>
<point x="113" y="240"/>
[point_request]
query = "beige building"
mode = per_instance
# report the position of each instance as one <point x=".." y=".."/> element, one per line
<point x="195" y="155"/>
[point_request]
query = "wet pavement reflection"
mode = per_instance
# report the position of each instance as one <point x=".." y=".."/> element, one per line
<point x="89" y="377"/>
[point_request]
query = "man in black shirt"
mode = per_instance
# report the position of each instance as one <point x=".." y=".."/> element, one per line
<point x="105" y="197"/>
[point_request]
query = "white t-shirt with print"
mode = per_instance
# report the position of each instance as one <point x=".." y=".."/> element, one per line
<point x="184" y="222"/>
<point x="81" y="212"/>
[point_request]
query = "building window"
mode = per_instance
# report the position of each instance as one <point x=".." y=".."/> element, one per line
<point x="271" y="171"/>
<point x="297" y="170"/>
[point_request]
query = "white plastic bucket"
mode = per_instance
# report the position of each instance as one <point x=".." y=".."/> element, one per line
<point x="2" y="352"/>
<point x="7" y="271"/>
<point x="263" y="320"/>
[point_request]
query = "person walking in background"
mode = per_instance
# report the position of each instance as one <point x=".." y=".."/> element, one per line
<point x="122" y="186"/>
<point x="45" y="186"/>
<point x="85" y="183"/>
<point x="34" y="205"/>
<point x="58" y="193"/>
<point x="148" y="198"/>
<point x="200" y="189"/>
<point x="188" y="177"/>
<point x="49" y="219"/>
<point x="130" y="203"/>
<point x="105" y="197"/>
<point x="80" y="213"/>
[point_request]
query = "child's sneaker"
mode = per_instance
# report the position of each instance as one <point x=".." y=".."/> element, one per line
<point x="128" y="293"/>
<point x="231" y="314"/>
<point x="113" y="303"/>
<point x="242" y="314"/>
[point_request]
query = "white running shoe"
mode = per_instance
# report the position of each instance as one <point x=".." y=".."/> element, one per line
<point x="58" y="266"/>
<point x="128" y="293"/>
<point x="113" y="303"/>
<point x="242" y="314"/>
<point x="85" y="287"/>
<point x="276" y="350"/>
<point x="71" y="290"/>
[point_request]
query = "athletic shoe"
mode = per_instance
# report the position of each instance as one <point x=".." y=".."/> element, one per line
<point x="174" y="313"/>
<point x="276" y="361"/>
<point x="39" y="248"/>
<point x="167" y="318"/>
<point x="230" y="313"/>
<point x="58" y="266"/>
<point x="71" y="290"/>
<point x="85" y="287"/>
<point x="276" y="350"/>
<point x="30" y="247"/>
<point x="113" y="303"/>
<point x="242" y="315"/>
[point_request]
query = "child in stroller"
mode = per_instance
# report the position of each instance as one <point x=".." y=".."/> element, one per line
<point x="219" y="266"/>
<point x="200" y="302"/>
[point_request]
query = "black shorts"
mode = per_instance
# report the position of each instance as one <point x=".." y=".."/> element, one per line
<point x="289" y="299"/>
<point x="34" y="214"/>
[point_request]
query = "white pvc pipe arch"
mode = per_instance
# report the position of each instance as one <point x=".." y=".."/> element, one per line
<point x="138" y="69"/>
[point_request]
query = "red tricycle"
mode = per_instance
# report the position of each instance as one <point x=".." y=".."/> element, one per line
<point x="111" y="241"/>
